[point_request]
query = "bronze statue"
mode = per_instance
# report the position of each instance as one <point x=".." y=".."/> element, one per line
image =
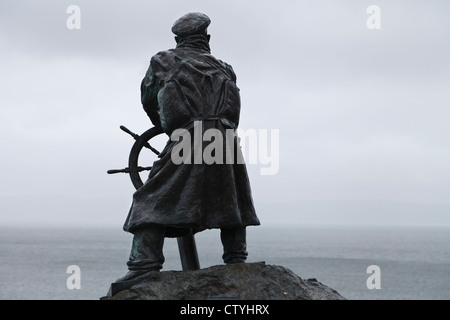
<point x="185" y="86"/>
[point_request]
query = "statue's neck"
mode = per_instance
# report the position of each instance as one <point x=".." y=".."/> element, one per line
<point x="197" y="41"/>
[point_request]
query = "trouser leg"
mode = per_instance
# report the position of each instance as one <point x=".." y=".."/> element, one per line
<point x="234" y="245"/>
<point x="147" y="249"/>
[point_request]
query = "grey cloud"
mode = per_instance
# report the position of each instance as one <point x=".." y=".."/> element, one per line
<point x="362" y="113"/>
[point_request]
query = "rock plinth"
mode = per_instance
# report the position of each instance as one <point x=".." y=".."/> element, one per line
<point x="244" y="281"/>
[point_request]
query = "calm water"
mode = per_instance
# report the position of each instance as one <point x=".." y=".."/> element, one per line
<point x="414" y="262"/>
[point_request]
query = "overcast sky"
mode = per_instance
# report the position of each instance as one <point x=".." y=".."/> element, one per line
<point x="363" y="115"/>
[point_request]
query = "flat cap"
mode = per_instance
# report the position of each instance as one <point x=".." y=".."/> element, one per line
<point x="191" y="23"/>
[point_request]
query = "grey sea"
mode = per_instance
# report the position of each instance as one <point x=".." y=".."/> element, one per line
<point x="414" y="262"/>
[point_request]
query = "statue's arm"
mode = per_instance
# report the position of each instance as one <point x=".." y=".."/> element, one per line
<point x="149" y="96"/>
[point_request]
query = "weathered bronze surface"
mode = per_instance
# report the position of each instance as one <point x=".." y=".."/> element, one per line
<point x="182" y="86"/>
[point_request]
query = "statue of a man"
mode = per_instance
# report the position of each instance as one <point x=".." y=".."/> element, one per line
<point x="184" y="86"/>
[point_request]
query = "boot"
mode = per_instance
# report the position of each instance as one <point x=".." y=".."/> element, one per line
<point x="146" y="257"/>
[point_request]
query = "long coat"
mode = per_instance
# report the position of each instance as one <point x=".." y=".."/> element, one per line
<point x="181" y="86"/>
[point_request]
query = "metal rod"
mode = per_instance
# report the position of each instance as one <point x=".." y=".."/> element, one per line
<point x="188" y="253"/>
<point x="113" y="171"/>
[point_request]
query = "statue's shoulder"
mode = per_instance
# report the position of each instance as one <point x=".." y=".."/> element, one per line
<point x="163" y="60"/>
<point x="226" y="66"/>
<point x="164" y="55"/>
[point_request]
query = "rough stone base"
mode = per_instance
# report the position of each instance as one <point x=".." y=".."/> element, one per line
<point x="244" y="281"/>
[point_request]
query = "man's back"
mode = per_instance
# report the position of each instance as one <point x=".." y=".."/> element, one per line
<point x="190" y="84"/>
